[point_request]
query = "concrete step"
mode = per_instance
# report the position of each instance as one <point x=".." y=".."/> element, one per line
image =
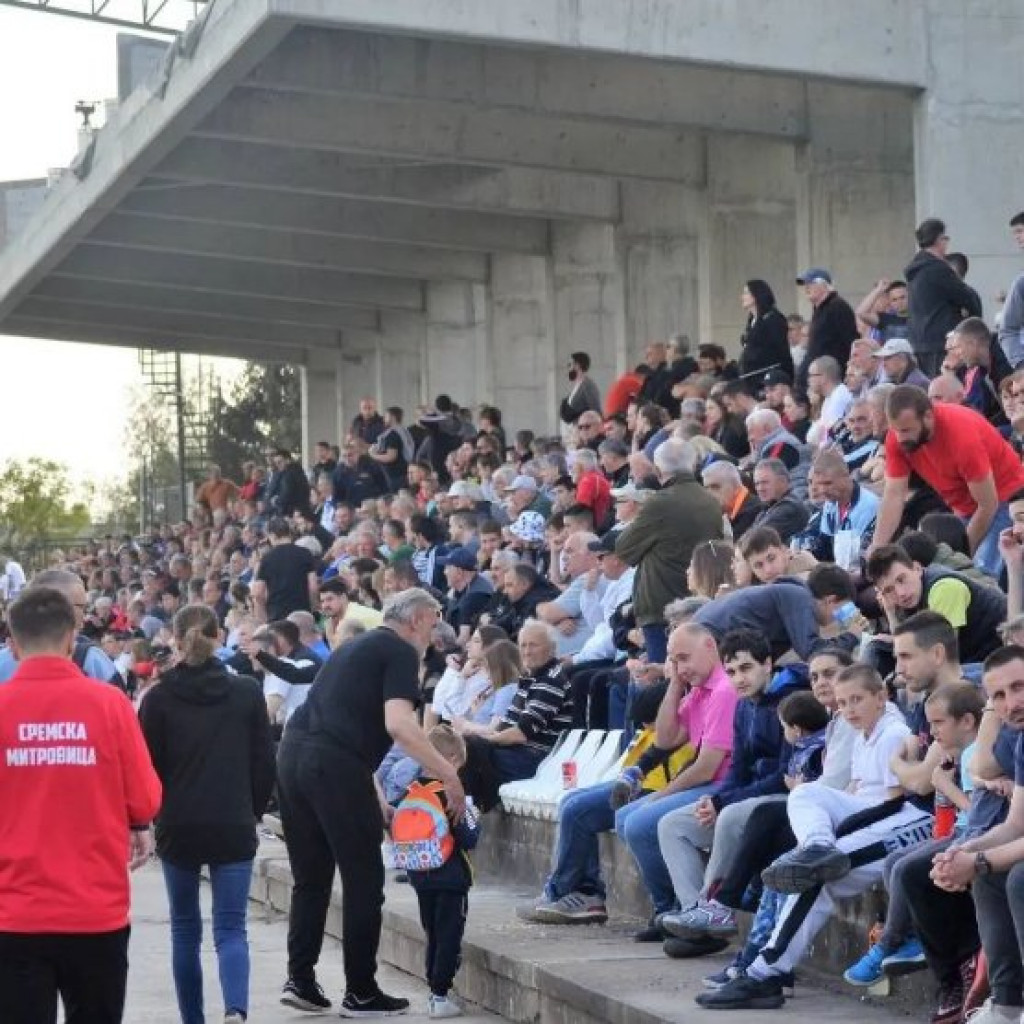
<point x="566" y="975"/>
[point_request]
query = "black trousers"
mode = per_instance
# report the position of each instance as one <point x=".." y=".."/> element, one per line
<point x="443" y="916"/>
<point x="589" y="684"/>
<point x="331" y="817"/>
<point x="88" y="973"/>
<point x="945" y="922"/>
<point x="488" y="766"/>
<point x="765" y="837"/>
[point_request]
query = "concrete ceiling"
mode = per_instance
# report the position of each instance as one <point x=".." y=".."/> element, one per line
<point x="287" y="182"/>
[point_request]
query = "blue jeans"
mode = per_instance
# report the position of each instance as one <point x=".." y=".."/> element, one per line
<point x="656" y="642"/>
<point x="585" y="814"/>
<point x="230" y="884"/>
<point x="987" y="557"/>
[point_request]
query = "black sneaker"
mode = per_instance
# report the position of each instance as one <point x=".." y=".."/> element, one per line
<point x="687" y="949"/>
<point x="377" y="1005"/>
<point x="806" y="867"/>
<point x="745" y="993"/>
<point x="649" y="933"/>
<point x="304" y="995"/>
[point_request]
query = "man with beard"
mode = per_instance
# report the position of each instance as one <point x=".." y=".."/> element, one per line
<point x="961" y="456"/>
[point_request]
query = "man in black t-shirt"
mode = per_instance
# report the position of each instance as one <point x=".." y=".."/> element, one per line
<point x="285" y="581"/>
<point x="363" y="700"/>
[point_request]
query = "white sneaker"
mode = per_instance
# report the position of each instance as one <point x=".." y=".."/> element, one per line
<point x="441" y="1007"/>
<point x="234" y="1017"/>
<point x="990" y="1013"/>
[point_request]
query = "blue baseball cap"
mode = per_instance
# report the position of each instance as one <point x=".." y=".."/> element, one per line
<point x="815" y="275"/>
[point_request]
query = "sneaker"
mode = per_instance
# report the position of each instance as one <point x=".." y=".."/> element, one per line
<point x="441" y="1007"/>
<point x="574" y="908"/>
<point x="234" y="1017"/>
<point x="745" y="993"/>
<point x="377" y="1005"/>
<point x="304" y="995"/>
<point x="720" y="978"/>
<point x="976" y="983"/>
<point x="706" y="917"/>
<point x="687" y="949"/>
<point x="806" y="867"/>
<point x="907" y="959"/>
<point x="868" y="969"/>
<point x="950" y="1004"/>
<point x="990" y="1013"/>
<point x="651" y="933"/>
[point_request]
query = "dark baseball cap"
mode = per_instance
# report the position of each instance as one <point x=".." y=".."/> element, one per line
<point x="776" y="377"/>
<point x="461" y="558"/>
<point x="604" y="545"/>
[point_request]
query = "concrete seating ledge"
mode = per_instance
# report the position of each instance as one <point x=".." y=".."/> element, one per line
<point x="587" y="974"/>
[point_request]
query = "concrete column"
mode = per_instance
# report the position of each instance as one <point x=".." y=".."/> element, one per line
<point x="589" y="298"/>
<point x="750" y="231"/>
<point x="855" y="198"/>
<point x="403" y="344"/>
<point x="968" y="125"/>
<point x="360" y="373"/>
<point x="660" y="252"/>
<point x="456" y="362"/>
<point x="522" y="342"/>
<point x="321" y="405"/>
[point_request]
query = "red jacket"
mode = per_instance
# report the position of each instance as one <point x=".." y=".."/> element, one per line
<point x="75" y="773"/>
<point x="622" y="392"/>
<point x="594" y="491"/>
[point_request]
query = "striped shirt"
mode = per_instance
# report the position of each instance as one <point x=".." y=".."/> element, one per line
<point x="541" y="708"/>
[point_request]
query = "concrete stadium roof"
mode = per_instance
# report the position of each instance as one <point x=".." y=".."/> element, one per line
<point x="303" y="166"/>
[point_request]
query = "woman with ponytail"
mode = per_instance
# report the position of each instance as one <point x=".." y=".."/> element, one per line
<point x="209" y="737"/>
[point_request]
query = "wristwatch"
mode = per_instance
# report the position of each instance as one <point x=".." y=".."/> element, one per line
<point x="981" y="864"/>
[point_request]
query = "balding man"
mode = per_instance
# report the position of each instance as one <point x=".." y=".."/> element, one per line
<point x="88" y="656"/>
<point x="697" y="710"/>
<point x="847" y="522"/>
<point x="576" y="612"/>
<point x="825" y="381"/>
<point x="769" y="439"/>
<point x="540" y="711"/>
<point x="946" y="389"/>
<point x="739" y="506"/>
<point x="780" y="508"/>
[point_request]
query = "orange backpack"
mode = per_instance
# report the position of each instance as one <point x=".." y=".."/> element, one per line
<point x="420" y="832"/>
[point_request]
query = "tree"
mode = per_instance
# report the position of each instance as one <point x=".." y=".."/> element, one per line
<point x="35" y="504"/>
<point x="262" y="411"/>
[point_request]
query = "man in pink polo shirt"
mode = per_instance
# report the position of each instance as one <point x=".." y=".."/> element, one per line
<point x="697" y="709"/>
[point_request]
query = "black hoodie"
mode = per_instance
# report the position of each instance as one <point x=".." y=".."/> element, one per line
<point x="209" y="737"/>
<point x="938" y="301"/>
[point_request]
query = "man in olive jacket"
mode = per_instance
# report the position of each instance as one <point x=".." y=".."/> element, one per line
<point x="661" y="539"/>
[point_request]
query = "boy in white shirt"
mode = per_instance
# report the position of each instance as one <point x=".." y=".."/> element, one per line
<point x="843" y="837"/>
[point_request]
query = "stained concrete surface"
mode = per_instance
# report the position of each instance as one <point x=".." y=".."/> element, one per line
<point x="151" y="990"/>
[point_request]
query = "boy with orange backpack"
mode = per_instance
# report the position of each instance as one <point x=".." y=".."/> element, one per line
<point x="433" y="849"/>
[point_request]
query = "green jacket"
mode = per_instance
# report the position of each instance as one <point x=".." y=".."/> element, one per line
<point x="661" y="540"/>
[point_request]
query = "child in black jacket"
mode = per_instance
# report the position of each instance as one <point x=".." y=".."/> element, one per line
<point x="443" y="892"/>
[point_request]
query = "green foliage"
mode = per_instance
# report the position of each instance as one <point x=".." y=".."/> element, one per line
<point x="262" y="410"/>
<point x="35" y="503"/>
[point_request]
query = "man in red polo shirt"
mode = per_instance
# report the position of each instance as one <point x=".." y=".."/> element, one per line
<point x="964" y="459"/>
<point x="77" y="794"/>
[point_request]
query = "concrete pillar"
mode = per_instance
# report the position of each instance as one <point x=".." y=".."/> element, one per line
<point x="321" y="405"/>
<point x="456" y="362"/>
<point x="855" y="179"/>
<point x="968" y="125"/>
<point x="403" y="344"/>
<point x="360" y="372"/>
<point x="527" y="384"/>
<point x="660" y="252"/>
<point x="589" y="298"/>
<point x="750" y="231"/>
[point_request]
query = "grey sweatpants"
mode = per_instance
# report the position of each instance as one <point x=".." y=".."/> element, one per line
<point x="685" y="844"/>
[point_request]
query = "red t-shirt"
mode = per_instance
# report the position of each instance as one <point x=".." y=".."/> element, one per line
<point x="621" y="392"/>
<point x="75" y="774"/>
<point x="594" y="491"/>
<point x="963" y="449"/>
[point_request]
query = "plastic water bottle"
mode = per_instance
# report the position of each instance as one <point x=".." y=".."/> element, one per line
<point x="945" y="811"/>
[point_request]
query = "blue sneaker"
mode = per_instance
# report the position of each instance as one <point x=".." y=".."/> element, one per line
<point x="868" y="969"/>
<point x="907" y="959"/>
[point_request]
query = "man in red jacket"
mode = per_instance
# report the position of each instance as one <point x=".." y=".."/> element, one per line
<point x="77" y="794"/>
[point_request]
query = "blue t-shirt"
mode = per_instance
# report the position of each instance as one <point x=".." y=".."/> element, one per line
<point x="1018" y="762"/>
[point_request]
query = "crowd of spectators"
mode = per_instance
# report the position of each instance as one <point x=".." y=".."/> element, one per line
<point x="802" y="565"/>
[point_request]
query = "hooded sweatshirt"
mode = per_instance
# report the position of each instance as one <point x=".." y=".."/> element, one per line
<point x="760" y="752"/>
<point x="209" y="737"/>
<point x="938" y="301"/>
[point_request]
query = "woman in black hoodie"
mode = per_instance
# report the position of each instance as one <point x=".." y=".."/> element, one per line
<point x="209" y="737"/>
<point x="766" y="339"/>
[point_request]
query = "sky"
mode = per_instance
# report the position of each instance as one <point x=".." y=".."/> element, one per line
<point x="60" y="400"/>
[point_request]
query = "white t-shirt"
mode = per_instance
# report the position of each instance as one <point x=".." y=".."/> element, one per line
<point x="870" y="774"/>
<point x="293" y="695"/>
<point x="12" y="582"/>
<point x="833" y="409"/>
<point x="455" y="693"/>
